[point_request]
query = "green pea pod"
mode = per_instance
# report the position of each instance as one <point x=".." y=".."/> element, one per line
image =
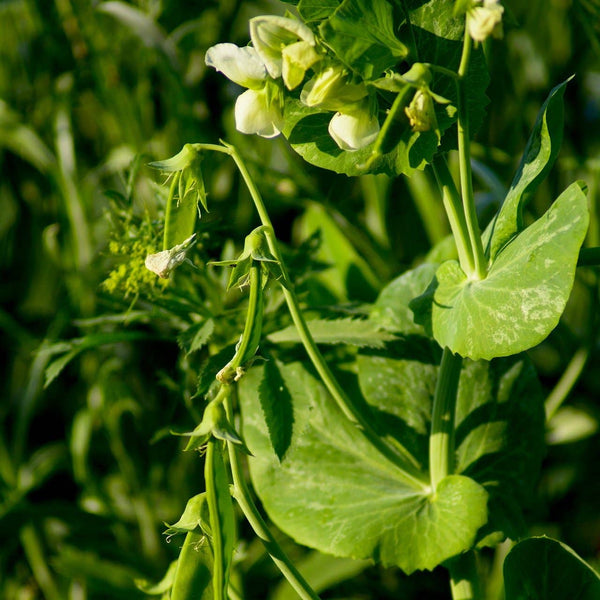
<point x="193" y="577"/>
<point x="248" y="344"/>
<point x="221" y="516"/>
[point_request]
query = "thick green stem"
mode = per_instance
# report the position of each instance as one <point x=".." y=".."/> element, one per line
<point x="464" y="579"/>
<point x="454" y="211"/>
<point x="464" y="156"/>
<point x="397" y="454"/>
<point x="441" y="439"/>
<point x="243" y="497"/>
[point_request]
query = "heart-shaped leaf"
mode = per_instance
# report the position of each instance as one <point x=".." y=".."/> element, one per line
<point x="524" y="294"/>
<point x="336" y="493"/>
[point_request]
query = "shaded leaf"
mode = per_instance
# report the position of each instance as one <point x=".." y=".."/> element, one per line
<point x="355" y="332"/>
<point x="336" y="493"/>
<point x="276" y="404"/>
<point x="545" y="569"/>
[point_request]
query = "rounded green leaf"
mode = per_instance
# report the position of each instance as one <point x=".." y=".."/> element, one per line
<point x="545" y="569"/>
<point x="499" y="413"/>
<point x="335" y="492"/>
<point x="524" y="294"/>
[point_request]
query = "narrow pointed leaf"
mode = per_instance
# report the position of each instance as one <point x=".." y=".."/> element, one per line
<point x="539" y="156"/>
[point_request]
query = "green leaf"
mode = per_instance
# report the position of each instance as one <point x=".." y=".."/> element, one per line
<point x="524" y="294"/>
<point x="316" y="10"/>
<point x="276" y="404"/>
<point x="196" y="336"/>
<point x="356" y="332"/>
<point x="361" y="34"/>
<point x="350" y="275"/>
<point x="193" y="577"/>
<point x="571" y="424"/>
<point x="335" y="492"/>
<point x="545" y="569"/>
<point x="391" y="311"/>
<point x="499" y="413"/>
<point x="539" y="156"/>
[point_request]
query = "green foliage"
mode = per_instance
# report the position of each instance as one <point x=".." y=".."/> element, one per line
<point x="539" y="568"/>
<point x="102" y="361"/>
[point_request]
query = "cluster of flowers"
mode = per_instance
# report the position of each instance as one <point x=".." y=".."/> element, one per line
<point x="282" y="53"/>
<point x="283" y="50"/>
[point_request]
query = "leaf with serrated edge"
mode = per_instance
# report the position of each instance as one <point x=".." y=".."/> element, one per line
<point x="276" y="405"/>
<point x="355" y="332"/>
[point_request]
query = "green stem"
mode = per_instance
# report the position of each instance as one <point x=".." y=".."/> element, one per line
<point x="456" y="217"/>
<point x="464" y="579"/>
<point x="397" y="454"/>
<point x="34" y="552"/>
<point x="464" y="157"/>
<point x="243" y="497"/>
<point x="441" y="439"/>
<point x="397" y="105"/>
<point x="218" y="575"/>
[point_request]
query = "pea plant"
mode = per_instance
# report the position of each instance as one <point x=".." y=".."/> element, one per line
<point x="409" y="433"/>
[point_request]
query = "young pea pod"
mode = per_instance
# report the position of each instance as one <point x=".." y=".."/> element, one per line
<point x="193" y="577"/>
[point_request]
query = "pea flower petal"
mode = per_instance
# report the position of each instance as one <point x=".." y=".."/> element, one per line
<point x="256" y="112"/>
<point x="242" y="65"/>
<point x="354" y="129"/>
<point x="271" y="34"/>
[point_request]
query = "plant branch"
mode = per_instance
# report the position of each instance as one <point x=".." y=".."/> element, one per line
<point x="454" y="211"/>
<point x="397" y="454"/>
<point x="243" y="497"/>
<point x="464" y="157"/>
<point x="464" y="579"/>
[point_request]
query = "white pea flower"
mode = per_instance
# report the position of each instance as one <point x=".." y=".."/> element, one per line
<point x="330" y="90"/>
<point x="242" y="65"/>
<point x="163" y="263"/>
<point x="259" y="109"/>
<point x="271" y="34"/>
<point x="354" y="128"/>
<point x="485" y="19"/>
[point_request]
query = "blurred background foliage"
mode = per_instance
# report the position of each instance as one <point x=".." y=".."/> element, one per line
<point x="100" y="361"/>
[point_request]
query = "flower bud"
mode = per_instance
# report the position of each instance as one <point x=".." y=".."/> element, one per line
<point x="354" y="128"/>
<point x="163" y="263"/>
<point x="485" y="20"/>
<point x="271" y="34"/>
<point x="297" y="59"/>
<point x="242" y="65"/>
<point x="330" y="90"/>
<point x="420" y="112"/>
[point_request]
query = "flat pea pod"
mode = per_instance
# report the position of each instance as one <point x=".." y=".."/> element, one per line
<point x="193" y="577"/>
<point x="221" y="517"/>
